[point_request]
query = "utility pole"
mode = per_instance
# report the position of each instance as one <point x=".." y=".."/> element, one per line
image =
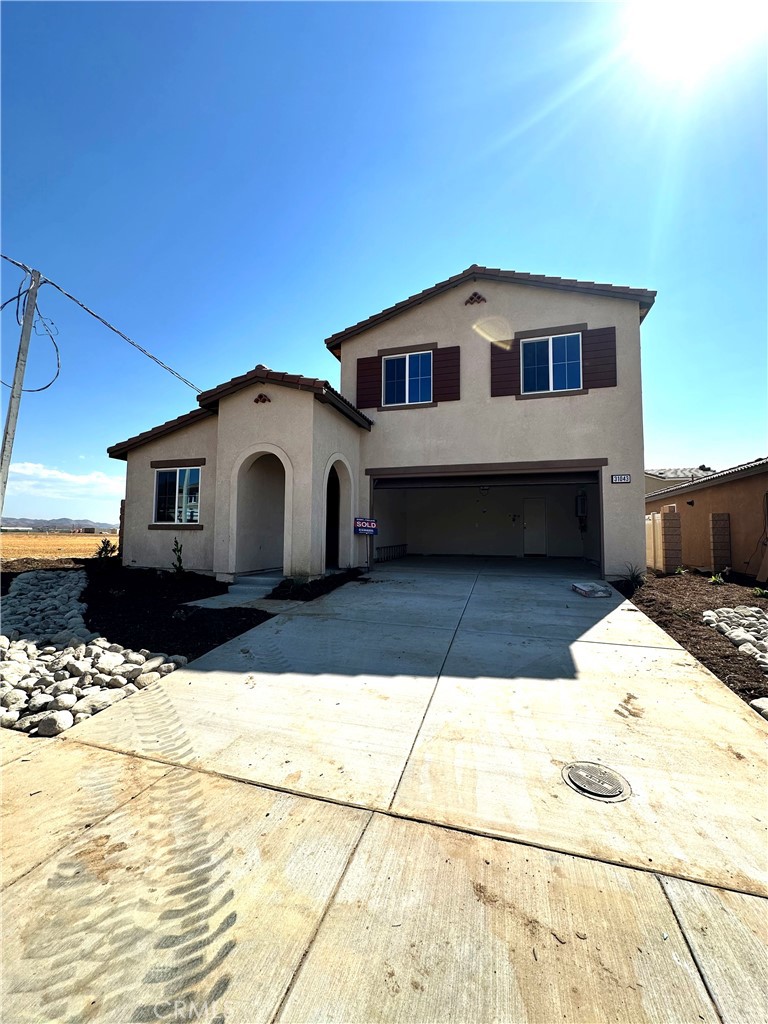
<point x="18" y="382"/>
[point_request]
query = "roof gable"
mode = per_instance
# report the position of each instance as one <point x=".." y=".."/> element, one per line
<point x="209" y="401"/>
<point x="261" y="374"/>
<point x="642" y="296"/>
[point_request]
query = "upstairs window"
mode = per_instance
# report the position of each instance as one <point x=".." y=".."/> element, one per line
<point x="552" y="364"/>
<point x="177" y="495"/>
<point x="407" y="379"/>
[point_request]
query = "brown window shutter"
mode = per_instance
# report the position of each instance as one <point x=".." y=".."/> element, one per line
<point x="369" y="382"/>
<point x="505" y="369"/>
<point x="598" y="358"/>
<point x="446" y="374"/>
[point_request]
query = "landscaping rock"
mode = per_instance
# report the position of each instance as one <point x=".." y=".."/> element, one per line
<point x="11" y="698"/>
<point x="54" y="723"/>
<point x="146" y="679"/>
<point x="108" y="662"/>
<point x="746" y="627"/>
<point x="97" y="701"/>
<point x="65" y="702"/>
<point x="54" y="671"/>
<point x="39" y="702"/>
<point x="154" y="662"/>
<point x="760" y="705"/>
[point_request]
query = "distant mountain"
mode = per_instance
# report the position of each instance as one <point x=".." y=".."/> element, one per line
<point x="56" y="524"/>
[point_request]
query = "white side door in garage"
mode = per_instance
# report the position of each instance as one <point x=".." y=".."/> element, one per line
<point x="535" y="526"/>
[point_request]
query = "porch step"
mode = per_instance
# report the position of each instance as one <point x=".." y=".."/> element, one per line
<point x="254" y="587"/>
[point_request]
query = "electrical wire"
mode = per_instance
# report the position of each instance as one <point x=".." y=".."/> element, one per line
<point x="106" y="323"/>
<point x="44" y="321"/>
<point x="21" y="266"/>
<point x="14" y="298"/>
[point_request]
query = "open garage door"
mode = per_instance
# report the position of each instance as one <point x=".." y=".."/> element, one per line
<point x="527" y="514"/>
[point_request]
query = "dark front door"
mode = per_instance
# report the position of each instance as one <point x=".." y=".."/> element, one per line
<point x="333" y="503"/>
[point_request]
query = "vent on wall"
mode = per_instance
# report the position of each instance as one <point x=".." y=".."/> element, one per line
<point x="474" y="298"/>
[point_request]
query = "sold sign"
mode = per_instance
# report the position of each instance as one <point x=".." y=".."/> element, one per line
<point x="366" y="526"/>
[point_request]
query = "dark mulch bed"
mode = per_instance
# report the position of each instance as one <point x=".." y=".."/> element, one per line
<point x="676" y="604"/>
<point x="290" y="590"/>
<point x="146" y="608"/>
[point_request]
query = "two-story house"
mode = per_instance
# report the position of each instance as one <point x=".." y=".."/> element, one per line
<point x="495" y="413"/>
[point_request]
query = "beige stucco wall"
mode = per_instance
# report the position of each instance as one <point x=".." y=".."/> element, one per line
<point x="336" y="441"/>
<point x="253" y="499"/>
<point x="742" y="499"/>
<point x="143" y="547"/>
<point x="606" y="423"/>
<point x="307" y="437"/>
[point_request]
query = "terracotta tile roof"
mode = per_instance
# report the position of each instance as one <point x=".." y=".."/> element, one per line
<point x="121" y="449"/>
<point x="744" y="469"/>
<point x="263" y="375"/>
<point x="477" y="273"/>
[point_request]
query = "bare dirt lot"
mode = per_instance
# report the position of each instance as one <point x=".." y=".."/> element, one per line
<point x="50" y="545"/>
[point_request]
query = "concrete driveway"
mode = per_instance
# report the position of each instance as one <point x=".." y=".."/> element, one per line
<point x="356" y="812"/>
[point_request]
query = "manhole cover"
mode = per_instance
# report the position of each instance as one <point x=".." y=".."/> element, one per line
<point x="596" y="781"/>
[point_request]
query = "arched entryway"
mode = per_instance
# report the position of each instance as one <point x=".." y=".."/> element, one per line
<point x="339" y="538"/>
<point x="332" y="508"/>
<point x="260" y="514"/>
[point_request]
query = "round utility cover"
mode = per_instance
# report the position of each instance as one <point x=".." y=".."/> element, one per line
<point x="596" y="781"/>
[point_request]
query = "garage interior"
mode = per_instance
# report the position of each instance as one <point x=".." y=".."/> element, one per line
<point x="521" y="515"/>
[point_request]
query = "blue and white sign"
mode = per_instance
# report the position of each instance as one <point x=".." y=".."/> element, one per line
<point x="369" y="527"/>
<point x="621" y="478"/>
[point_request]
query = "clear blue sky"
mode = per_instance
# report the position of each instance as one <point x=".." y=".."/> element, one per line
<point x="231" y="183"/>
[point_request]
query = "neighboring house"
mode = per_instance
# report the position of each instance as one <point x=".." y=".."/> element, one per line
<point x="486" y="415"/>
<point x="657" y="479"/>
<point x="723" y="517"/>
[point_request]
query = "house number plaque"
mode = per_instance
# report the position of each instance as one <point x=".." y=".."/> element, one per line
<point x="621" y="478"/>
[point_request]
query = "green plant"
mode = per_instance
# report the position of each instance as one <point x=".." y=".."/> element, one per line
<point x="716" y="580"/>
<point x="635" y="575"/>
<point x="681" y="571"/>
<point x="178" y="564"/>
<point x="106" y="549"/>
<point x="759" y="592"/>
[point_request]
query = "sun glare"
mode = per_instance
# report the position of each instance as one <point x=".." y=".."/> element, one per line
<point x="684" y="43"/>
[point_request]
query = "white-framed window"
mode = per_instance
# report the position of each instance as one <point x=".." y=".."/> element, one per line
<point x="551" y="364"/>
<point x="407" y="379"/>
<point x="177" y="495"/>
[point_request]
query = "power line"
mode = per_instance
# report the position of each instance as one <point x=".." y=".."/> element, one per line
<point x="44" y="321"/>
<point x="14" y="298"/>
<point x="106" y="323"/>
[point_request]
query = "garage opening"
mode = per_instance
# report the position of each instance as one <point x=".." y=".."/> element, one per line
<point x="514" y="515"/>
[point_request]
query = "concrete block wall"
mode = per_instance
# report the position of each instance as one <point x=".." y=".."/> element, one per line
<point x="720" y="540"/>
<point x="664" y="540"/>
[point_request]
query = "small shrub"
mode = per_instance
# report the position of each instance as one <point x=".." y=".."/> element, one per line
<point x="759" y="592"/>
<point x="681" y="571"/>
<point x="716" y="580"/>
<point x="178" y="563"/>
<point x="635" y="576"/>
<point x="106" y="549"/>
